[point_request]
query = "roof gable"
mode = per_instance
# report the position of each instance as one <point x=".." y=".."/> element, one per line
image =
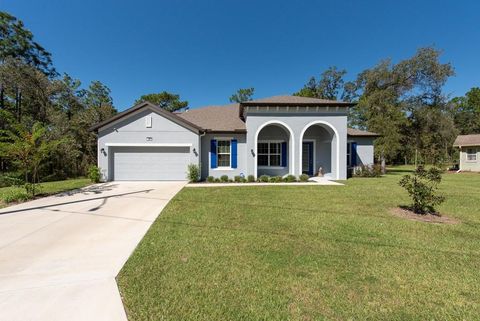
<point x="147" y="105"/>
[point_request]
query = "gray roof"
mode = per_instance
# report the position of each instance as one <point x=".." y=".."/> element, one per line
<point x="296" y="100"/>
<point x="216" y="118"/>
<point x="467" y="140"/>
<point x="360" y="133"/>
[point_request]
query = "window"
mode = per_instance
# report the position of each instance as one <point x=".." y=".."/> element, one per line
<point x="471" y="154"/>
<point x="349" y="154"/>
<point x="223" y="152"/>
<point x="269" y="153"/>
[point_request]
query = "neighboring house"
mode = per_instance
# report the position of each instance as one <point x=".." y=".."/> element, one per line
<point x="469" y="146"/>
<point x="274" y="136"/>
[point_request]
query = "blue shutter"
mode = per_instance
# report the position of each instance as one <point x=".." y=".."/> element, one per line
<point x="213" y="153"/>
<point x="234" y="153"/>
<point x="353" y="154"/>
<point x="284" y="154"/>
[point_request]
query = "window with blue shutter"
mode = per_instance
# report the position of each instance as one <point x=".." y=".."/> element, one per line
<point x="354" y="154"/>
<point x="234" y="153"/>
<point x="284" y="154"/>
<point x="213" y="153"/>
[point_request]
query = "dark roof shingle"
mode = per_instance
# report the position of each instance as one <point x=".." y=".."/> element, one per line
<point x="360" y="133"/>
<point x="467" y="140"/>
<point x="216" y="118"/>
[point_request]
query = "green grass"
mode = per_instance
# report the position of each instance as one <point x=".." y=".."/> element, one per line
<point x="47" y="188"/>
<point x="308" y="253"/>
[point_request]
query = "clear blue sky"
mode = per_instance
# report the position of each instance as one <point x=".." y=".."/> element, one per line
<point x="205" y="50"/>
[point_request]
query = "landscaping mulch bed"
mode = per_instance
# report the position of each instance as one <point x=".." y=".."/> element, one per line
<point x="428" y="218"/>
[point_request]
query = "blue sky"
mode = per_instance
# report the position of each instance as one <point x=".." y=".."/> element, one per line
<point x="205" y="50"/>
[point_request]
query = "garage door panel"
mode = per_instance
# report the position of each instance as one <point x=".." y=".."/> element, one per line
<point x="150" y="163"/>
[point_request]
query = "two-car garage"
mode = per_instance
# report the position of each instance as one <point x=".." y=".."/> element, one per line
<point x="149" y="163"/>
<point x="147" y="143"/>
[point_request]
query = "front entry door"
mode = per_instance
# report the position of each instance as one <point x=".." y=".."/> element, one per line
<point x="307" y="158"/>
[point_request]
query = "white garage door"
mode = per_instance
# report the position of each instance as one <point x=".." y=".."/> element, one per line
<point x="150" y="163"/>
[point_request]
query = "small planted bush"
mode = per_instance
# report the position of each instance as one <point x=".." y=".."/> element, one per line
<point x="422" y="188"/>
<point x="217" y="180"/>
<point x="237" y="178"/>
<point x="290" y="178"/>
<point x="94" y="174"/>
<point x="210" y="179"/>
<point x="193" y="173"/>
<point x="251" y="178"/>
<point x="224" y="178"/>
<point x="304" y="178"/>
<point x="276" y="179"/>
<point x="243" y="180"/>
<point x="368" y="171"/>
<point x="264" y="178"/>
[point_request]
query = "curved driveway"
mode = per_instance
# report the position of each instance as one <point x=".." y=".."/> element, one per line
<point x="59" y="255"/>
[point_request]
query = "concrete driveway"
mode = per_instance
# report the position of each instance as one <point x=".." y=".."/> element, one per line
<point x="59" y="255"/>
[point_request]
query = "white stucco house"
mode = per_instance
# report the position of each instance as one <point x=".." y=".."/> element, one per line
<point x="279" y="135"/>
<point x="469" y="146"/>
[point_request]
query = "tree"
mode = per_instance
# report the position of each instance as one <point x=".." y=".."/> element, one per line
<point x="242" y="94"/>
<point x="18" y="42"/>
<point x="165" y="100"/>
<point x="466" y="112"/>
<point x="395" y="100"/>
<point x="422" y="188"/>
<point x="28" y="149"/>
<point x="329" y="86"/>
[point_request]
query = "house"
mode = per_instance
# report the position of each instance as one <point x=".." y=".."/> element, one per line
<point x="279" y="135"/>
<point x="469" y="146"/>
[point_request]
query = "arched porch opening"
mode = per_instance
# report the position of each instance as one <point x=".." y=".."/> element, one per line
<point x="319" y="150"/>
<point x="274" y="150"/>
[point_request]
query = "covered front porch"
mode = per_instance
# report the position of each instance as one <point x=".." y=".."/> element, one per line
<point x="279" y="153"/>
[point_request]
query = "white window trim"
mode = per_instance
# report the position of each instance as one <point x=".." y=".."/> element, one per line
<point x="271" y="141"/>
<point x="224" y="168"/>
<point x="475" y="152"/>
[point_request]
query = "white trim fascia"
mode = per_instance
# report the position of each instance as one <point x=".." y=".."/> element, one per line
<point x="148" y="145"/>
<point x="337" y="138"/>
<point x="291" y="140"/>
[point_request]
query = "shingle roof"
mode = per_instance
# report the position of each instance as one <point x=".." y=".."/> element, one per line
<point x="216" y="118"/>
<point x="467" y="140"/>
<point x="296" y="100"/>
<point x="360" y="133"/>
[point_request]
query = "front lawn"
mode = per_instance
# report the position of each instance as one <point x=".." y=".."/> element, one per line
<point x="47" y="188"/>
<point x="308" y="253"/>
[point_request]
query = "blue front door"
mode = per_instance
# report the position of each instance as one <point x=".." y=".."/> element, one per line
<point x="307" y="158"/>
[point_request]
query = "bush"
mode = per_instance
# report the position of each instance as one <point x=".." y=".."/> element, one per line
<point x="237" y="178"/>
<point x="224" y="178"/>
<point x="251" y="178"/>
<point x="15" y="195"/>
<point x="422" y="188"/>
<point x="94" y="174"/>
<point x="193" y="173"/>
<point x="304" y="178"/>
<point x="290" y="179"/>
<point x="243" y="180"/>
<point x="368" y="171"/>
<point x="210" y="179"/>
<point x="264" y="178"/>
<point x="276" y="179"/>
<point x="217" y="180"/>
